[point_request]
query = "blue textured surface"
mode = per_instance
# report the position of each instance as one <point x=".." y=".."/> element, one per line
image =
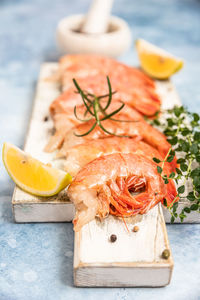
<point x="36" y="259"/>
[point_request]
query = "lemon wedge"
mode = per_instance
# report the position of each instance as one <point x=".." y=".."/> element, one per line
<point x="32" y="175"/>
<point x="157" y="62"/>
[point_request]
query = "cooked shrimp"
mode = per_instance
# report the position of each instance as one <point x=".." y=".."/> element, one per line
<point x="104" y="186"/>
<point x="65" y="121"/>
<point x="138" y="128"/>
<point x="82" y="65"/>
<point x="80" y="155"/>
<point x="132" y="85"/>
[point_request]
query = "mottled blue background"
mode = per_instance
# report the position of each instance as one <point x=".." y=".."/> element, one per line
<point x="36" y="259"/>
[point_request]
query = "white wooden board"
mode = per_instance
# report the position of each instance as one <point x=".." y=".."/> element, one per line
<point x="27" y="208"/>
<point x="134" y="259"/>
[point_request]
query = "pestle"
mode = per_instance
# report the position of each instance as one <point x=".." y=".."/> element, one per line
<point x="97" y="32"/>
<point x="97" y="18"/>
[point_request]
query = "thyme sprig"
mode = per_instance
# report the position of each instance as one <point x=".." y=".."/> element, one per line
<point x="96" y="107"/>
<point x="182" y="129"/>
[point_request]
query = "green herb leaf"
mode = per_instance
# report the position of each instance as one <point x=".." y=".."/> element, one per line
<point x="172" y="175"/>
<point x="173" y="141"/>
<point x="197" y="136"/>
<point x="156" y="160"/>
<point x="170" y="158"/>
<point x="165" y="202"/>
<point x="195" y="172"/>
<point x="196" y="180"/>
<point x="182" y="217"/>
<point x="194" y="148"/>
<point x="169" y="132"/>
<point x="196" y="117"/>
<point x="191" y="196"/>
<point x="159" y="169"/>
<point x="185" y="131"/>
<point x="178" y="171"/>
<point x="187" y="210"/>
<point x="156" y="122"/>
<point x="183" y="167"/>
<point x="166" y="181"/>
<point x="181" y="189"/>
<point x="185" y="146"/>
<point x="194" y="206"/>
<point x="179" y="148"/>
<point x="177" y="111"/>
<point x="175" y="206"/>
<point x="172" y="219"/>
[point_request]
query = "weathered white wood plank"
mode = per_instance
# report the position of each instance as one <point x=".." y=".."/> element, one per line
<point x="133" y="260"/>
<point x="27" y="208"/>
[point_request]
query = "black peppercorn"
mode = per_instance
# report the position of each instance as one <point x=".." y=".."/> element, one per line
<point x="113" y="238"/>
<point x="166" y="254"/>
<point x="46" y="119"/>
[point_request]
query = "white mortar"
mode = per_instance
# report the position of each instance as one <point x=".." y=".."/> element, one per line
<point x="112" y="43"/>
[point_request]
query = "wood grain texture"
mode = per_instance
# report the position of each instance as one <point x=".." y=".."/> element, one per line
<point x="135" y="259"/>
<point x="28" y="208"/>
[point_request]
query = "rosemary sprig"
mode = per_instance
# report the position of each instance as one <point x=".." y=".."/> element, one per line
<point x="94" y="106"/>
<point x="183" y="131"/>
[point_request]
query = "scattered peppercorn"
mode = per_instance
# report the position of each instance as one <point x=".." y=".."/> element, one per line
<point x="136" y="229"/>
<point x="166" y="254"/>
<point x="46" y="119"/>
<point x="113" y="238"/>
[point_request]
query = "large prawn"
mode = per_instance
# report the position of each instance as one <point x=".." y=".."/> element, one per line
<point x="65" y="121"/>
<point x="80" y="155"/>
<point x="104" y="186"/>
<point x="133" y="86"/>
<point x="137" y="128"/>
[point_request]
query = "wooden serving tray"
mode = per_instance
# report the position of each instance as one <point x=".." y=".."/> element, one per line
<point x="28" y="208"/>
<point x="135" y="259"/>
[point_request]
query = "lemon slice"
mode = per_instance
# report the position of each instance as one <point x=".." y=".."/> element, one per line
<point x="157" y="62"/>
<point x="32" y="175"/>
